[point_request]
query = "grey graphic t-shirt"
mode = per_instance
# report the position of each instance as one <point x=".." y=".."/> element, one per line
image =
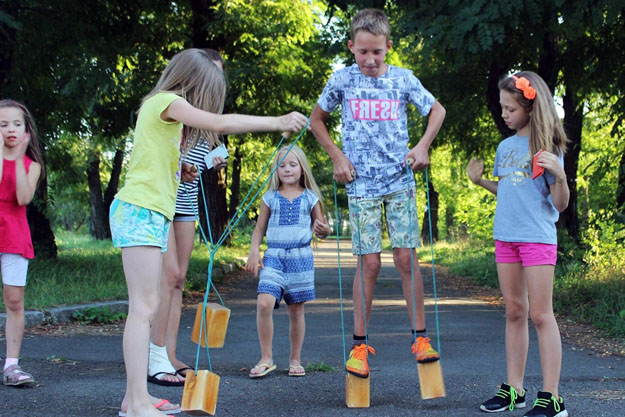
<point x="525" y="210"/>
<point x="375" y="125"/>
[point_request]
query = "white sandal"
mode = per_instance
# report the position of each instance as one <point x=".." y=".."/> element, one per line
<point x="14" y="376"/>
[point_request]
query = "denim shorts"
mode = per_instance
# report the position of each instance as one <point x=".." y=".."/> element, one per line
<point x="529" y="254"/>
<point x="132" y="225"/>
<point x="401" y="213"/>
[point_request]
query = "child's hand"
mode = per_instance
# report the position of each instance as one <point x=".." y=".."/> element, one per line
<point x="551" y="162"/>
<point x="420" y="158"/>
<point x="344" y="170"/>
<point x="254" y="262"/>
<point x="475" y="170"/>
<point x="21" y="147"/>
<point x="321" y="228"/>
<point x="189" y="172"/>
<point x="292" y="122"/>
<point x="219" y="162"/>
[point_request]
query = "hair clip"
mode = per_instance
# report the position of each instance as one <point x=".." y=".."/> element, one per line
<point x="523" y="84"/>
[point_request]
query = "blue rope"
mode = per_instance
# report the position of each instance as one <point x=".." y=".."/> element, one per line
<point x="438" y="337"/>
<point x="412" y="295"/>
<point x="362" y="274"/>
<point x="213" y="247"/>
<point x="338" y="254"/>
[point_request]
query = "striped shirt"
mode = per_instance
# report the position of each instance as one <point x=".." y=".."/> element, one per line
<point x="188" y="204"/>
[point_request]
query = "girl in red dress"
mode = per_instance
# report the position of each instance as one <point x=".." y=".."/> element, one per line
<point x="22" y="167"/>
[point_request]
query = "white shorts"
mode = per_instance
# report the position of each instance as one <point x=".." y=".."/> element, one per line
<point x="14" y="268"/>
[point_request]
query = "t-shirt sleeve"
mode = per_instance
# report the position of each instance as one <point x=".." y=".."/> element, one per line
<point x="419" y="96"/>
<point x="312" y="199"/>
<point x="267" y="197"/>
<point x="331" y="95"/>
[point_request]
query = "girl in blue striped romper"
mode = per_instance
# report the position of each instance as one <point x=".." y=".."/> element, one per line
<point x="290" y="212"/>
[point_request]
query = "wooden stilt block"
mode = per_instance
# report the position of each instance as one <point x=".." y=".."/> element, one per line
<point x="199" y="397"/>
<point x="216" y="322"/>
<point x="431" y="380"/>
<point x="356" y="391"/>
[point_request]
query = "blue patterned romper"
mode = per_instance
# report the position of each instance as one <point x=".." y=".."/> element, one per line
<point x="288" y="262"/>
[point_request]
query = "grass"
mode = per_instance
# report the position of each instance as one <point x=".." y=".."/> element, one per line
<point x="90" y="270"/>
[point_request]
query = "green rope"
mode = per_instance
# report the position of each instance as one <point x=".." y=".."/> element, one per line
<point x="338" y="254"/>
<point x="438" y="337"/>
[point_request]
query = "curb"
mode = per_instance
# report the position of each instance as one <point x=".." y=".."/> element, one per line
<point x="63" y="314"/>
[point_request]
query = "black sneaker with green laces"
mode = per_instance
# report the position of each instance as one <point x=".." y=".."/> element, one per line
<point x="546" y="405"/>
<point x="507" y="398"/>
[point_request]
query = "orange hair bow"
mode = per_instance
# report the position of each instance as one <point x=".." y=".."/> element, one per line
<point x="523" y="84"/>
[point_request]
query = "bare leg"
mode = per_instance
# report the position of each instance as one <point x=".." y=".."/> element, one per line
<point x="185" y="234"/>
<point x="514" y="292"/>
<point x="142" y="268"/>
<point x="264" y="323"/>
<point x="401" y="257"/>
<point x="14" y="303"/>
<point x="168" y="281"/>
<point x="297" y="330"/>
<point x="371" y="268"/>
<point x="540" y="288"/>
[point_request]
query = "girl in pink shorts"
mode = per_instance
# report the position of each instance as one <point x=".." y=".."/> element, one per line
<point x="531" y="192"/>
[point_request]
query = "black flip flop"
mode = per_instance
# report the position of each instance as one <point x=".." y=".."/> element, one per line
<point x="154" y="380"/>
<point x="186" y="368"/>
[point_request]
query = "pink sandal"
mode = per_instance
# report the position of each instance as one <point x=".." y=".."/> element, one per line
<point x="14" y="376"/>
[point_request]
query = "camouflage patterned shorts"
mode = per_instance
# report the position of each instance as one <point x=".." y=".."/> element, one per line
<point x="397" y="209"/>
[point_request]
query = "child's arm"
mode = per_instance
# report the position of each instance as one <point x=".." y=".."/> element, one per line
<point x="342" y="167"/>
<point x="1" y="155"/>
<point x="223" y="124"/>
<point x="320" y="224"/>
<point x="559" y="189"/>
<point x="419" y="154"/>
<point x="253" y="259"/>
<point x="25" y="183"/>
<point x="475" y="170"/>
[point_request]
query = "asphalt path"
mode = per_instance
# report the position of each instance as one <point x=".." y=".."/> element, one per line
<point x="83" y="374"/>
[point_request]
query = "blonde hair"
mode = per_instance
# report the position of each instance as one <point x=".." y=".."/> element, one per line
<point x="373" y="21"/>
<point x="546" y="131"/>
<point x="193" y="75"/>
<point x="34" y="150"/>
<point x="306" y="180"/>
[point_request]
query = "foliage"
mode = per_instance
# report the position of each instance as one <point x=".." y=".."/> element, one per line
<point x="98" y="315"/>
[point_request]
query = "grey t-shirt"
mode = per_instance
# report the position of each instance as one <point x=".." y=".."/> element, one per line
<point x="375" y="124"/>
<point x="525" y="210"/>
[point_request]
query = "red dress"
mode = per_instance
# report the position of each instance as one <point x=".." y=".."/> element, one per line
<point x="14" y="230"/>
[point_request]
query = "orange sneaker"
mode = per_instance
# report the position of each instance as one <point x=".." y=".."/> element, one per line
<point x="357" y="364"/>
<point x="424" y="351"/>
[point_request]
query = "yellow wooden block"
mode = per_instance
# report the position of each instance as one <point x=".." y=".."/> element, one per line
<point x="356" y="391"/>
<point x="199" y="397"/>
<point x="216" y="325"/>
<point x="431" y="380"/>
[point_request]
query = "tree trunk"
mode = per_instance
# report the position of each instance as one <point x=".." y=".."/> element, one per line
<point x="40" y="230"/>
<point x="235" y="183"/>
<point x="99" y="212"/>
<point x="573" y="119"/>
<point x="433" y="214"/>
<point x="215" y="194"/>
<point x="111" y="189"/>
<point x="495" y="73"/>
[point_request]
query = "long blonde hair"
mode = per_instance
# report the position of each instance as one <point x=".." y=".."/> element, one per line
<point x="306" y="180"/>
<point x="193" y="75"/>
<point x="546" y="131"/>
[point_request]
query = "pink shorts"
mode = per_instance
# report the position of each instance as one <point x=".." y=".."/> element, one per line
<point x="529" y="254"/>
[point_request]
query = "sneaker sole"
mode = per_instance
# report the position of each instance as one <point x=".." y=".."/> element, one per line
<point x="499" y="410"/>
<point x="357" y="374"/>
<point x="428" y="360"/>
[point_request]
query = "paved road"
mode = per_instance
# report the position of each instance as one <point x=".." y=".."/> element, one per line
<point x="83" y="375"/>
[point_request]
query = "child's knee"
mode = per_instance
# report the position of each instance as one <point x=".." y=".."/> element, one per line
<point x="265" y="303"/>
<point x="371" y="263"/>
<point x="14" y="303"/>
<point x="516" y="310"/>
<point x="541" y="317"/>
